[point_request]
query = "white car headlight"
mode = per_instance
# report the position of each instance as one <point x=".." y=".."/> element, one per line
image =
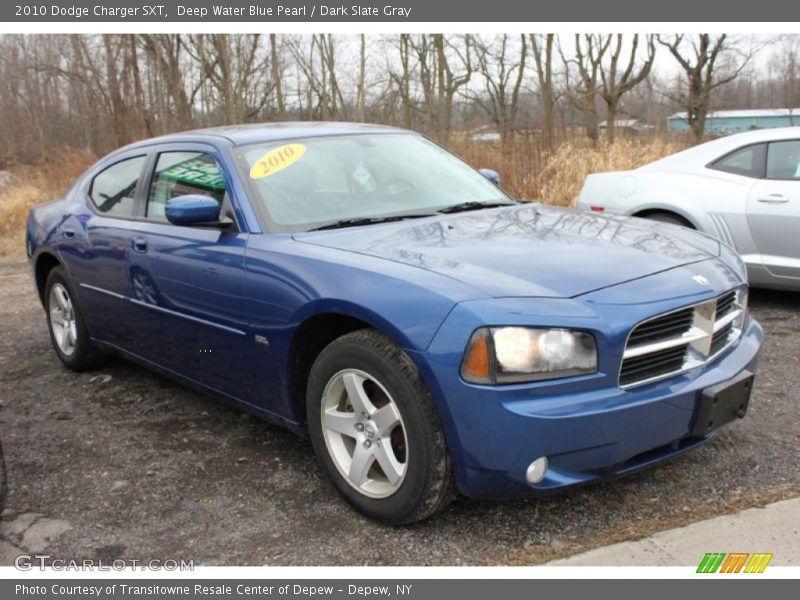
<point x="517" y="354"/>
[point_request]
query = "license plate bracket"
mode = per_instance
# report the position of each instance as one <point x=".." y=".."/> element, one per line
<point x="722" y="403"/>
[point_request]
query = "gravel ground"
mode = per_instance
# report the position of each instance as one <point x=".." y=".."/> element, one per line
<point x="122" y="463"/>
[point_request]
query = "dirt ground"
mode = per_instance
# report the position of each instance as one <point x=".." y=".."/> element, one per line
<point x="122" y="463"/>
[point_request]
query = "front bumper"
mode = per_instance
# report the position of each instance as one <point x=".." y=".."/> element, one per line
<point x="587" y="427"/>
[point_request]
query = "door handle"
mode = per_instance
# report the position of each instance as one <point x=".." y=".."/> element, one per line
<point x="139" y="244"/>
<point x="67" y="232"/>
<point x="774" y="199"/>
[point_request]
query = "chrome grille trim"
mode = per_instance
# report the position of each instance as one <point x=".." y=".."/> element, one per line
<point x="667" y="326"/>
<point x="715" y="325"/>
<point x="693" y="335"/>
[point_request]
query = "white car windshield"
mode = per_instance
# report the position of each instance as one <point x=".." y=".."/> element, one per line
<point x="314" y="183"/>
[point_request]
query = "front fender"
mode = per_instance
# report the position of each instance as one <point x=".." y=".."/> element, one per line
<point x="414" y="337"/>
<point x="295" y="281"/>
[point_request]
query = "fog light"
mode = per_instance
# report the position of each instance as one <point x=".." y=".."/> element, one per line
<point x="536" y="470"/>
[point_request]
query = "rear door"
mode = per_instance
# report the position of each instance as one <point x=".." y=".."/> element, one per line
<point x="773" y="210"/>
<point x="95" y="242"/>
<point x="188" y="284"/>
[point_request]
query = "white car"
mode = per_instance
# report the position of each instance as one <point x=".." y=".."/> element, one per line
<point x="743" y="189"/>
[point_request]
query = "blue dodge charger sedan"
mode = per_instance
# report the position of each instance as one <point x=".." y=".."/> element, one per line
<point x="431" y="335"/>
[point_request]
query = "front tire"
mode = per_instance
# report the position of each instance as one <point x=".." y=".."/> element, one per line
<point x="68" y="332"/>
<point x="376" y="431"/>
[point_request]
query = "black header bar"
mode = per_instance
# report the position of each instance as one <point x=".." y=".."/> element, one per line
<point x="382" y="11"/>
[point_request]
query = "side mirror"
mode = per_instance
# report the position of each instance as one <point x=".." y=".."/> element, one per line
<point x="192" y="209"/>
<point x="491" y="175"/>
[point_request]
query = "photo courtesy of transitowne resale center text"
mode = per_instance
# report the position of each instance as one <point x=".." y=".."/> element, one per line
<point x="398" y="299"/>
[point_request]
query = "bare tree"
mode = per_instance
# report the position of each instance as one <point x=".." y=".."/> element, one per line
<point x="443" y="69"/>
<point x="702" y="59"/>
<point x="327" y="45"/>
<point x="587" y="61"/>
<point x="785" y="75"/>
<point x="503" y="69"/>
<point x="361" y="90"/>
<point x="277" y="76"/>
<point x="166" y="53"/>
<point x="235" y="68"/>
<point x="400" y="76"/>
<point x="315" y="58"/>
<point x="450" y="80"/>
<point x="619" y="78"/>
<point x="101" y="91"/>
<point x="542" y="47"/>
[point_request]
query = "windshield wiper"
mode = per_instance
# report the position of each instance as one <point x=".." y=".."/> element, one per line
<point x="473" y="205"/>
<point x="356" y="221"/>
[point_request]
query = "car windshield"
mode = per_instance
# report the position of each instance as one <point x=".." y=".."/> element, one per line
<point x="356" y="179"/>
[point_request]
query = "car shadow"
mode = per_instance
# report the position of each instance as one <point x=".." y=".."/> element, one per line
<point x="779" y="299"/>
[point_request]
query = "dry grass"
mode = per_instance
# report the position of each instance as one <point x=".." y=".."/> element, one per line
<point x="532" y="173"/>
<point x="27" y="186"/>
<point x="527" y="170"/>
<point x="563" y="173"/>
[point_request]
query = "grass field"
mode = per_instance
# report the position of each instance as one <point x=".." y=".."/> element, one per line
<point x="527" y="172"/>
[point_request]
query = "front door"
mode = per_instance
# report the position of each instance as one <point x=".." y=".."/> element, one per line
<point x="773" y="210"/>
<point x="188" y="281"/>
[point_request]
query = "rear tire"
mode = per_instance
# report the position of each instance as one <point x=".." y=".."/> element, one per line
<point x="68" y="332"/>
<point x="375" y="430"/>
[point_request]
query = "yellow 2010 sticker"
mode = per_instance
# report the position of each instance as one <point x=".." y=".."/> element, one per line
<point x="276" y="160"/>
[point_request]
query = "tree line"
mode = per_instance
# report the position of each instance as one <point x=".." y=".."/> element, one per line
<point x="102" y="91"/>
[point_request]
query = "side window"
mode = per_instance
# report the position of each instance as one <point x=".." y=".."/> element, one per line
<point x="113" y="190"/>
<point x="181" y="173"/>
<point x="747" y="161"/>
<point x="783" y="160"/>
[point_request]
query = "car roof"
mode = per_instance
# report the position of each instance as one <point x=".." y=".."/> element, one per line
<point x="698" y="156"/>
<point x="253" y="133"/>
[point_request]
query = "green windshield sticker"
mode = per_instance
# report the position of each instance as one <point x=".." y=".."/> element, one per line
<point x="200" y="172"/>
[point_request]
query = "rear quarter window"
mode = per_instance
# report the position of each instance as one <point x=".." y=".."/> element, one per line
<point x="113" y="190"/>
<point x="747" y="161"/>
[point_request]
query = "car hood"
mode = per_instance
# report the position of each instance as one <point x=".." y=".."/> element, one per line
<point x="528" y="249"/>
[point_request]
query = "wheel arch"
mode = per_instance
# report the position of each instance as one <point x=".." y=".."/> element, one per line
<point x="310" y="338"/>
<point x="672" y="210"/>
<point x="45" y="263"/>
<point x="318" y="328"/>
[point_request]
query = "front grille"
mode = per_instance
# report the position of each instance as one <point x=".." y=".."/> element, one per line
<point x="721" y="338"/>
<point x="682" y="339"/>
<point x="669" y="326"/>
<point x="652" y="365"/>
<point x="726" y="303"/>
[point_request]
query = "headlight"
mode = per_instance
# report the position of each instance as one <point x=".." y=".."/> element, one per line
<point x="517" y="354"/>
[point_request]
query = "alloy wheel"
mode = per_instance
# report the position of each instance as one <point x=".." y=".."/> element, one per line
<point x="364" y="433"/>
<point x="63" y="322"/>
